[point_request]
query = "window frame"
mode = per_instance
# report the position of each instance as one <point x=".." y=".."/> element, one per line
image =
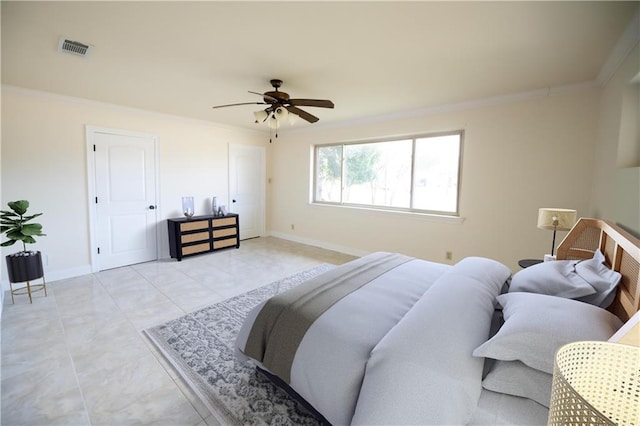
<point x="409" y="209"/>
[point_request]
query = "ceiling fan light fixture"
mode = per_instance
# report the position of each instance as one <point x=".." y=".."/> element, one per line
<point x="292" y="119"/>
<point x="273" y="121"/>
<point x="281" y="109"/>
<point x="260" y="115"/>
<point x="281" y="113"/>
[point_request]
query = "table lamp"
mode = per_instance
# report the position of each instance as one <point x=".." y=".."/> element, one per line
<point x="556" y="219"/>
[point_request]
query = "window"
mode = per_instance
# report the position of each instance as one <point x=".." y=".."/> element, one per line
<point x="419" y="174"/>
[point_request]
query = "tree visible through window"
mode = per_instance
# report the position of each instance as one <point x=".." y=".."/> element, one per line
<point x="418" y="174"/>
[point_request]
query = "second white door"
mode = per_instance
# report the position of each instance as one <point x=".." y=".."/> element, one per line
<point x="247" y="172"/>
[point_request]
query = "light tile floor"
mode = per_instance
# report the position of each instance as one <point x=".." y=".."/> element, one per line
<point x="78" y="357"/>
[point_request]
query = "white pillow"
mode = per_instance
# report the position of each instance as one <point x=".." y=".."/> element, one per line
<point x="515" y="378"/>
<point x="537" y="325"/>
<point x="602" y="279"/>
<point x="589" y="281"/>
<point x="555" y="278"/>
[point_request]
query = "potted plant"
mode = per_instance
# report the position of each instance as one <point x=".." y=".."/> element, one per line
<point x="15" y="224"/>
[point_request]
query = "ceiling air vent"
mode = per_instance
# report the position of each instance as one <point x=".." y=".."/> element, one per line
<point x="74" y="47"/>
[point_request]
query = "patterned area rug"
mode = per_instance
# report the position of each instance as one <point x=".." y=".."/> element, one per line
<point x="200" y="346"/>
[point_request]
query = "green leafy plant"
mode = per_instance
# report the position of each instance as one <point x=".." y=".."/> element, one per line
<point x="14" y="224"/>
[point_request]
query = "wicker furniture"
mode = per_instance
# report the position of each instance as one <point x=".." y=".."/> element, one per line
<point x="622" y="254"/>
<point x="202" y="234"/>
<point x="596" y="383"/>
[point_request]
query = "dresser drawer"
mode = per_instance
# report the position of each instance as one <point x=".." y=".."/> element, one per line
<point x="194" y="226"/>
<point x="198" y="236"/>
<point x="225" y="243"/>
<point x="218" y="233"/>
<point x="197" y="248"/>
<point x="227" y="221"/>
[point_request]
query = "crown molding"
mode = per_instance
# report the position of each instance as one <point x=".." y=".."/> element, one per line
<point x="627" y="41"/>
<point x="460" y="106"/>
<point x="6" y="88"/>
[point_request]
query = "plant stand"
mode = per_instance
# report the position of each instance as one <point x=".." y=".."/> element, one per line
<point x="28" y="289"/>
<point x="25" y="268"/>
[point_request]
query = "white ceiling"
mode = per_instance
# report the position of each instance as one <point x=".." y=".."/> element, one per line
<point x="369" y="58"/>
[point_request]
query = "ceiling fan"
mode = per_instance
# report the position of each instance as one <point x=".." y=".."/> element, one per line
<point x="280" y="105"/>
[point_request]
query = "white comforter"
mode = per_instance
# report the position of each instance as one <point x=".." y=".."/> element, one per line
<point x="398" y="350"/>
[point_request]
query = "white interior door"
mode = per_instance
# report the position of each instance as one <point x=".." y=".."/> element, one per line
<point x="125" y="218"/>
<point x="247" y="170"/>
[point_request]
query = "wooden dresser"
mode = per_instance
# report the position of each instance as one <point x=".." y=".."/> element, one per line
<point x="202" y="234"/>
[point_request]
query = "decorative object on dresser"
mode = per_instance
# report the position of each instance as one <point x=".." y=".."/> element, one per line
<point x="202" y="234"/>
<point x="188" y="208"/>
<point x="556" y="219"/>
<point x="575" y="397"/>
<point x="22" y="266"/>
<point x="214" y="206"/>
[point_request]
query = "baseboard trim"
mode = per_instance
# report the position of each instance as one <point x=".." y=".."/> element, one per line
<point x="52" y="276"/>
<point x="320" y="244"/>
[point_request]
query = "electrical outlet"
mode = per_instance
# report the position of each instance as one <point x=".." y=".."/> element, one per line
<point x="449" y="255"/>
<point x="293" y="227"/>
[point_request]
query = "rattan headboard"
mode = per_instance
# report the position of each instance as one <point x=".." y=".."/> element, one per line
<point x="622" y="252"/>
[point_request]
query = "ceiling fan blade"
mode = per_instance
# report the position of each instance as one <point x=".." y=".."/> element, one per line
<point x="302" y="114"/>
<point x="242" y="103"/>
<point x="271" y="98"/>
<point x="320" y="103"/>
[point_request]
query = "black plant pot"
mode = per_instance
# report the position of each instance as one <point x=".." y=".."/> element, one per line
<point x="24" y="266"/>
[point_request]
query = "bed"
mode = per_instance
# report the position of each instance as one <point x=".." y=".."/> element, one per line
<point x="390" y="339"/>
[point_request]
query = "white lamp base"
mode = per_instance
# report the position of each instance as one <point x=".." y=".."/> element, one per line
<point x="548" y="257"/>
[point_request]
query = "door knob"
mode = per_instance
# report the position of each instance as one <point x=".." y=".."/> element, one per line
<point x="233" y="201"/>
<point x="152" y="207"/>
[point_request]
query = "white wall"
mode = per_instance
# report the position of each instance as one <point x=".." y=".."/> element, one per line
<point x="617" y="144"/>
<point x="44" y="161"/>
<point x="517" y="157"/>
<point x="534" y="151"/>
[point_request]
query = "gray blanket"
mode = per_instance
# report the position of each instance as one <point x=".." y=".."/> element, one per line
<point x="283" y="321"/>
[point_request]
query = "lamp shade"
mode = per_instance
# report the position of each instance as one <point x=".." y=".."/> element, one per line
<point x="292" y="119"/>
<point x="596" y="383"/>
<point x="558" y="219"/>
<point x="272" y="121"/>
<point x="281" y="113"/>
<point x="260" y="116"/>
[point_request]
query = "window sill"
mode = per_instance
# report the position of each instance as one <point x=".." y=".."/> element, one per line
<point x="429" y="217"/>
